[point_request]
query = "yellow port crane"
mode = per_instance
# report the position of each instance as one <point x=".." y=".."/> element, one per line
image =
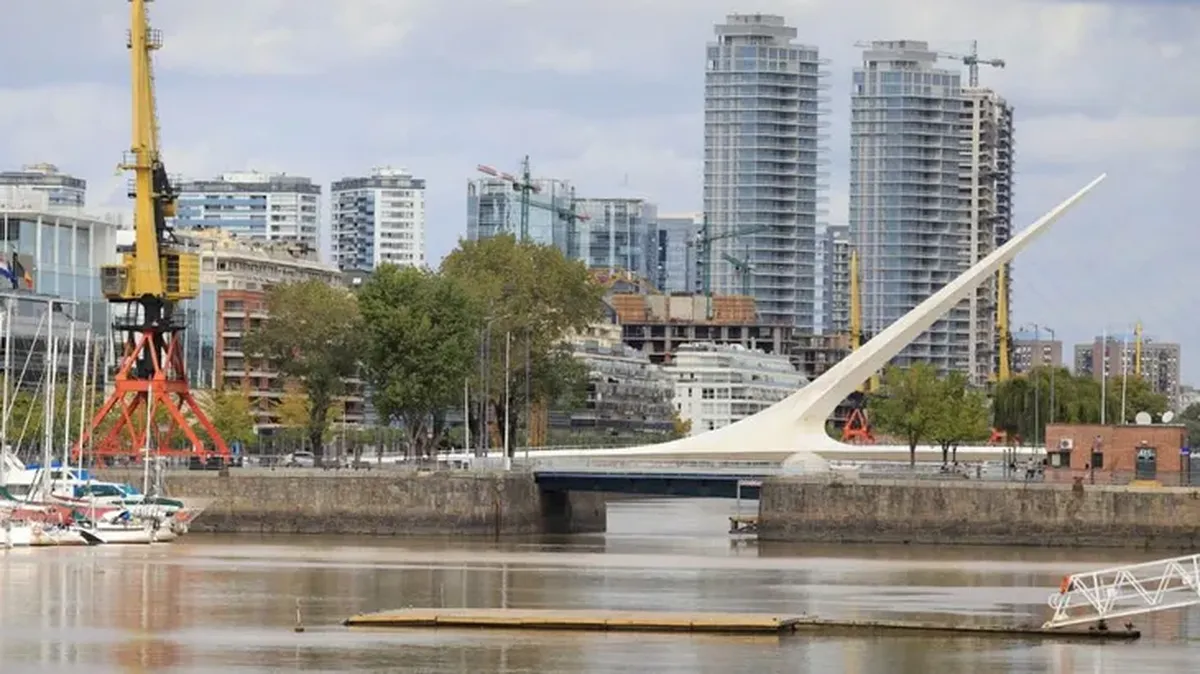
<point x="154" y="276"/>
<point x="857" y="428"/>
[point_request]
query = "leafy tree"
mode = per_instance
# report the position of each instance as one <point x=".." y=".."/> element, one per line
<point x="232" y="413"/>
<point x="681" y="428"/>
<point x="313" y="335"/>
<point x="1022" y="405"/>
<point x="1190" y="417"/>
<point x="292" y="409"/>
<point x="963" y="415"/>
<point x="538" y="297"/>
<point x="908" y="404"/>
<point x="422" y="334"/>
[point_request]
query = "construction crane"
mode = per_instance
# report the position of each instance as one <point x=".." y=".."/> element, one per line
<point x="704" y="257"/>
<point x="972" y="61"/>
<point x="154" y="275"/>
<point x="1137" y="349"/>
<point x="857" y="428"/>
<point x="743" y="269"/>
<point x="526" y="187"/>
<point x="1004" y="371"/>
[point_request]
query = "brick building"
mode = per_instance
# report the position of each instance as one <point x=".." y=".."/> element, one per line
<point x="1152" y="451"/>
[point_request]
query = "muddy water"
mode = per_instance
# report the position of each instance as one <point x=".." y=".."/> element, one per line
<point x="228" y="604"/>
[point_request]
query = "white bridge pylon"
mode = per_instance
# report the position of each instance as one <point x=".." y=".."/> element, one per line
<point x="1124" y="591"/>
<point x="796" y="424"/>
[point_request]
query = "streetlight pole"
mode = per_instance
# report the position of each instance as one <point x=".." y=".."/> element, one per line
<point x="1053" y="367"/>
<point x="507" y="402"/>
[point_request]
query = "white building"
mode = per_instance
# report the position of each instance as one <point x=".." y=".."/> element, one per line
<point x="253" y="205"/>
<point x="60" y="189"/>
<point x="378" y="219"/>
<point x="717" y="385"/>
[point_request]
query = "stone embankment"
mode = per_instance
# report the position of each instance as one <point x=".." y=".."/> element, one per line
<point x="979" y="513"/>
<point x="384" y="502"/>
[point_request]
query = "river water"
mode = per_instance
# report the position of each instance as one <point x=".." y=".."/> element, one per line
<point x="228" y="604"/>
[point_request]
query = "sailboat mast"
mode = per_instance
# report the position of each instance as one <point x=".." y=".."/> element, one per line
<point x="4" y="444"/>
<point x="48" y="381"/>
<point x="83" y="391"/>
<point x="66" y="452"/>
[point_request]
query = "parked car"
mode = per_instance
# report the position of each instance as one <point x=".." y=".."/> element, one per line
<point x="300" y="460"/>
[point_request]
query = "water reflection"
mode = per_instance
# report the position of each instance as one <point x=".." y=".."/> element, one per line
<point x="228" y="604"/>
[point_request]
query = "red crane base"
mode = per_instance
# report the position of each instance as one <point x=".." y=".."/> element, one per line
<point x="169" y="390"/>
<point x="857" y="430"/>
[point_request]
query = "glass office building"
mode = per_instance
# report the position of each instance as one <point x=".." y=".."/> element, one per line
<point x="619" y="234"/>
<point x="495" y="208"/>
<point x="762" y="165"/>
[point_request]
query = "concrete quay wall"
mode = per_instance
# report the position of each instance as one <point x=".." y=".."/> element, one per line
<point x="979" y="513"/>
<point x="300" y="501"/>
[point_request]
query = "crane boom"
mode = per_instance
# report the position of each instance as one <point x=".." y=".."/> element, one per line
<point x="154" y="275"/>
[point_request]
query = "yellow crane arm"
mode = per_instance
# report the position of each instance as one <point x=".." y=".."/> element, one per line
<point x="156" y="272"/>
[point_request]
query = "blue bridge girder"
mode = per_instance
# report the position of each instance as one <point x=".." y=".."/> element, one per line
<point x="657" y="483"/>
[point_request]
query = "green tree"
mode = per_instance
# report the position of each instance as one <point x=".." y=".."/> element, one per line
<point x="680" y="427"/>
<point x="422" y="332"/>
<point x="963" y="415"/>
<point x="232" y="413"/>
<point x="1190" y="417"/>
<point x="536" y="296"/>
<point x="1025" y="404"/>
<point x="908" y="404"/>
<point x="313" y="335"/>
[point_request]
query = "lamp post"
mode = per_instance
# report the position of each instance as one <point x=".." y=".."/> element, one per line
<point x="1053" y="367"/>
<point x="1034" y="362"/>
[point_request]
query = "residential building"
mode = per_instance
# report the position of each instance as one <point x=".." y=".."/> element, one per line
<point x="717" y="385"/>
<point x="1188" y="396"/>
<point x="61" y="190"/>
<point x="618" y="234"/>
<point x="1031" y="349"/>
<point x="677" y="261"/>
<point x="1115" y="355"/>
<point x="627" y="395"/>
<point x="378" y="219"/>
<point x="252" y="205"/>
<point x="909" y="205"/>
<point x="494" y="207"/>
<point x="836" y="281"/>
<point x="985" y="183"/>
<point x="763" y="145"/>
<point x="235" y="275"/>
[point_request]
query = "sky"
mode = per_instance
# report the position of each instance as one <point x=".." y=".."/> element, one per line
<point x="609" y="94"/>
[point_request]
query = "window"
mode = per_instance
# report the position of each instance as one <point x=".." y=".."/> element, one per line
<point x="1097" y="460"/>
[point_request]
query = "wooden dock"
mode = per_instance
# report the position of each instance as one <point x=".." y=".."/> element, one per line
<point x="695" y="622"/>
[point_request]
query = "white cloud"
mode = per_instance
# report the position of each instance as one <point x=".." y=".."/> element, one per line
<point x="1077" y="139"/>
<point x="608" y="93"/>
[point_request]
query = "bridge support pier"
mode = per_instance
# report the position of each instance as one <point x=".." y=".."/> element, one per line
<point x="573" y="512"/>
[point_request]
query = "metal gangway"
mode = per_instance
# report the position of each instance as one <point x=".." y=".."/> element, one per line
<point x="1122" y="591"/>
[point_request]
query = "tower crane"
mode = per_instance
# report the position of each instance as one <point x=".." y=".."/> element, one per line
<point x="526" y="186"/>
<point x="154" y="276"/>
<point x="703" y="244"/>
<point x="743" y="269"/>
<point x="972" y="61"/>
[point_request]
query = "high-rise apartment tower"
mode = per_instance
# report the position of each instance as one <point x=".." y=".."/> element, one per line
<point x="762" y="146"/>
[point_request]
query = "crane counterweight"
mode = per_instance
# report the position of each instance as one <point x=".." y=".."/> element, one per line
<point x="152" y="278"/>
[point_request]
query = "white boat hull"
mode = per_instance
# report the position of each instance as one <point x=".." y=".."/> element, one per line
<point x="16" y="535"/>
<point x="56" y="536"/>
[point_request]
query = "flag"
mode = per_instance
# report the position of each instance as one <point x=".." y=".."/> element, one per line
<point x="18" y="273"/>
<point x="7" y="274"/>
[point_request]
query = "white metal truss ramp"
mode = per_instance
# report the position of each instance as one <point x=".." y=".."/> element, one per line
<point x="1124" y="591"/>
